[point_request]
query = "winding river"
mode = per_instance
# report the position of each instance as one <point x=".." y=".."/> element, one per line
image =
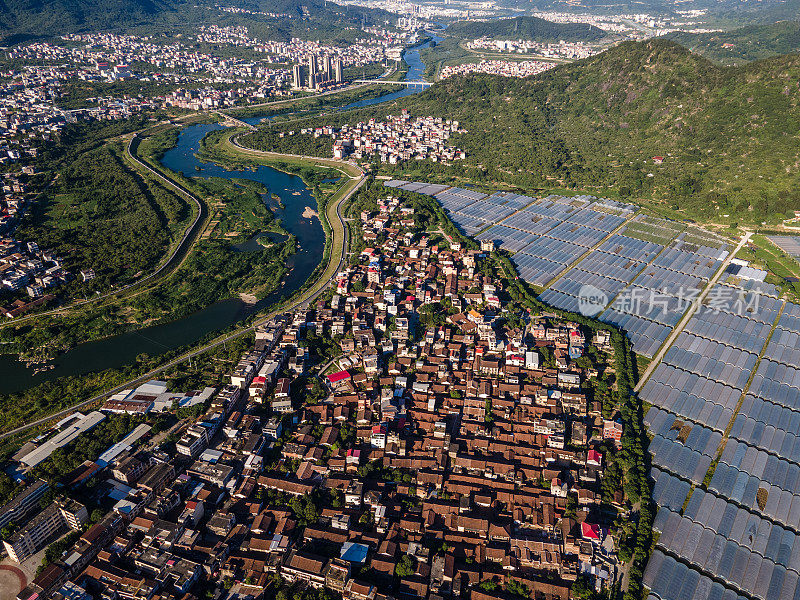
<point x="119" y="350"/>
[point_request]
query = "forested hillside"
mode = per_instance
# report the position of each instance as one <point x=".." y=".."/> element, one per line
<point x="34" y="18"/>
<point x="728" y="135"/>
<point x="526" y="28"/>
<point x="22" y="20"/>
<point x="742" y="45"/>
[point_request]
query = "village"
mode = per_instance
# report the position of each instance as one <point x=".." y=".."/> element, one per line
<point x="562" y="49"/>
<point x="36" y="107"/>
<point x="397" y="139"/>
<point x="506" y="68"/>
<point x="412" y="434"/>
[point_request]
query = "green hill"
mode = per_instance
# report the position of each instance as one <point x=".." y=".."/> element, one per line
<point x="22" y="20"/>
<point x="49" y="17"/>
<point x="742" y="45"/>
<point x="729" y="135"/>
<point x="525" y="28"/>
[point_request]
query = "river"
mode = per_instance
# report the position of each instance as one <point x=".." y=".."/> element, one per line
<point x="119" y="350"/>
<point x="416" y="72"/>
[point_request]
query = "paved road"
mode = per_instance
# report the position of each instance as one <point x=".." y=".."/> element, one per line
<point x="682" y="323"/>
<point x="338" y="228"/>
<point x="329" y="162"/>
<point x="185" y="242"/>
<point x="390" y="71"/>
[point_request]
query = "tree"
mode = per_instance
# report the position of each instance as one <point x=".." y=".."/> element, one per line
<point x="405" y="567"/>
<point x="310" y="512"/>
<point x="48" y="497"/>
<point x="582" y="588"/>
<point x="7" y="488"/>
<point x="97" y="515"/>
<point x="517" y="588"/>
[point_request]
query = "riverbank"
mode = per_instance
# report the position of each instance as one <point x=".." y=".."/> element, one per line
<point x="168" y="353"/>
<point x="116" y="380"/>
<point x="181" y="309"/>
<point x="205" y="259"/>
<point x="56" y="394"/>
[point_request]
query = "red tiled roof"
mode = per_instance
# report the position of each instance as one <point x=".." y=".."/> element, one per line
<point x="339" y="376"/>
<point x="590" y="531"/>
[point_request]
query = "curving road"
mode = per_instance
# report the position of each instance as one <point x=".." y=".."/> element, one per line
<point x="186" y="240"/>
<point x="337" y="257"/>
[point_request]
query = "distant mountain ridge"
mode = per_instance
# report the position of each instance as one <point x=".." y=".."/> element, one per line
<point x="745" y="44"/>
<point x="526" y="28"/>
<point x="47" y="17"/>
<point x="730" y="136"/>
<point x="21" y="20"/>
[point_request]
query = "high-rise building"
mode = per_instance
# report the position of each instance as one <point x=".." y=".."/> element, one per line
<point x="337" y="68"/>
<point x="312" y="71"/>
<point x="297" y="77"/>
<point x="328" y="66"/>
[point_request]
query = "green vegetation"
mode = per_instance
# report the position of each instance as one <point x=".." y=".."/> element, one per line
<point x="57" y="548"/>
<point x="237" y="208"/>
<point x="64" y="392"/>
<point x="314" y="172"/>
<point x="52" y="17"/>
<point x="88" y="446"/>
<point x="783" y="270"/>
<point x="742" y="45"/>
<point x="728" y="135"/>
<point x="101" y="215"/>
<point x="525" y="28"/>
<point x="205" y="271"/>
<point x="406" y="566"/>
<point x="448" y="51"/>
<point x="158" y="143"/>
<point x="451" y="51"/>
<point x="22" y="20"/>
<point x="596" y="124"/>
<point x="81" y="94"/>
<point x="275" y="141"/>
<point x="8" y="489"/>
<point x="310" y="106"/>
<point x="213" y="271"/>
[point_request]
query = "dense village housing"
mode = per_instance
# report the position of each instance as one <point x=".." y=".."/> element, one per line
<point x="36" y="108"/>
<point x="449" y="449"/>
<point x="395" y="140"/>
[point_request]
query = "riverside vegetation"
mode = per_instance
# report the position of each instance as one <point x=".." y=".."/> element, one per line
<point x="111" y="236"/>
<point x="728" y="135"/>
<point x="63" y="392"/>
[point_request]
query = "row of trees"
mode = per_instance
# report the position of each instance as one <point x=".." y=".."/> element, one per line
<point x="629" y="467"/>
